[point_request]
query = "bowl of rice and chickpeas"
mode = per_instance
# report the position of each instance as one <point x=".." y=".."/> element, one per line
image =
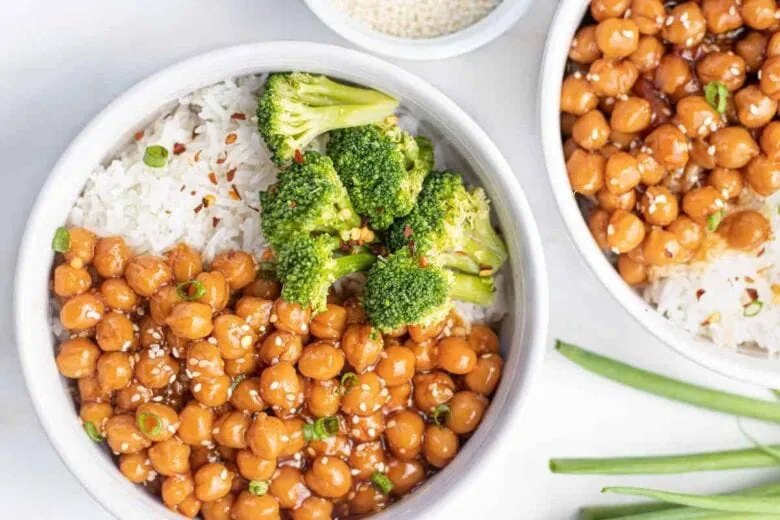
<point x="265" y="293"/>
<point x="661" y="133"/>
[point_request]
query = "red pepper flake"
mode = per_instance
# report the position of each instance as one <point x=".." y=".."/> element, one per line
<point x="699" y="294"/>
<point x="238" y="115"/>
<point x="253" y="208"/>
<point x="139" y="135"/>
<point x="760" y="253"/>
<point x="192" y="192"/>
<point x="213" y="177"/>
<point x="196" y="157"/>
<point x="293" y="204"/>
<point x="752" y="294"/>
<point x="412" y="248"/>
<point x="221" y="160"/>
<point x="298" y="156"/>
<point x="408" y="231"/>
<point x="182" y="187"/>
<point x="230" y="175"/>
<point x="344" y="246"/>
<point x="214" y="221"/>
<point x="748" y="279"/>
<point x="178" y="148"/>
<point x="198" y="208"/>
<point x="230" y="138"/>
<point x="423" y="261"/>
<point x="234" y="192"/>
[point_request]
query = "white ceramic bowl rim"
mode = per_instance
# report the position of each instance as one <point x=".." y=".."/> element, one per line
<point x="756" y="370"/>
<point x="114" y="126"/>
<point x="467" y="39"/>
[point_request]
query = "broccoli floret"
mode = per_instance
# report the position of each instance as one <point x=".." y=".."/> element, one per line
<point x="308" y="266"/>
<point x="400" y="291"/>
<point x="451" y="226"/>
<point x="298" y="107"/>
<point x="383" y="168"/>
<point x="307" y="198"/>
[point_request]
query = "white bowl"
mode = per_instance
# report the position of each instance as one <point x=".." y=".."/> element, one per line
<point x="467" y="39"/>
<point x="524" y="331"/>
<point x="742" y="365"/>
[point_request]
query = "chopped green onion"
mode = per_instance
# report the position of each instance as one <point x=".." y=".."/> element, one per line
<point x="671" y="388"/>
<point x="714" y="220"/>
<point x="92" y="431"/>
<point x="347" y="381"/>
<point x="439" y="413"/>
<point x="381" y="481"/>
<point x="236" y="380"/>
<point x="183" y="290"/>
<point x="142" y="422"/>
<point x="728" y="503"/>
<point x="156" y="156"/>
<point x="320" y="429"/>
<point x="752" y="308"/>
<point x="717" y="95"/>
<point x="61" y="240"/>
<point x="258" y="487"/>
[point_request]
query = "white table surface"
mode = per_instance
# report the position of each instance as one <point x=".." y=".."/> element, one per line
<point x="62" y="61"/>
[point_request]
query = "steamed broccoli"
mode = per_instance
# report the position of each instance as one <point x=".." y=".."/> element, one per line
<point x="307" y="198"/>
<point x="383" y="168"/>
<point x="298" y="107"/>
<point x="400" y="291"/>
<point x="308" y="266"/>
<point x="451" y="226"/>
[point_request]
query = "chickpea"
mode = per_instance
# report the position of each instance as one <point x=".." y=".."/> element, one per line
<point x="621" y="173"/>
<point x="330" y="323"/>
<point x="586" y="172"/>
<point x="728" y="182"/>
<point x="368" y="427"/>
<point x="135" y="467"/>
<point x="734" y="147"/>
<point x="230" y="429"/>
<point x="217" y="289"/>
<point x="118" y="295"/>
<point x="366" y="499"/>
<point x="759" y="14"/>
<point x="246" y="365"/>
<point x="246" y="396"/>
<point x="770" y="140"/>
<point x="398" y="398"/>
<point x="722" y="15"/>
<point x="466" y="410"/>
<point x="598" y="223"/>
<point x="262" y="288"/>
<point x="170" y="457"/>
<point x="770" y="77"/>
<point x="661" y="247"/>
<point x="189" y="507"/>
<point x="212" y="392"/>
<point x="115" y="332"/>
<point x="688" y="233"/>
<point x="335" y="445"/>
<point x="672" y="74"/>
<point x="424" y="354"/>
<point x="362" y="345"/>
<point x="625" y="231"/>
<point x="455" y="356"/>
<point x="70" y="281"/>
<point x="90" y="391"/>
<point x="279" y="385"/>
<point x="486" y="374"/>
<point x="329" y="477"/>
<point x="252" y="507"/>
<point x="253" y="467"/>
<point x="289" y="488"/>
<point x="237" y="266"/>
<point x="688" y="26"/>
<point x="577" y="96"/>
<point x="114" y="370"/>
<point x="367" y="458"/>
<point x="440" y="445"/>
<point x="196" y="423"/>
<point x="161" y="303"/>
<point x="613" y="78"/>
<point x="218" y="509"/>
<point x="745" y="229"/>
<point x="763" y="175"/>
<point x="321" y="360"/>
<point x="648" y="54"/>
<point x="290" y="317"/>
<point x="130" y="397"/>
<point x="634" y="273"/>
<point x="82" y="312"/>
<point x="212" y="482"/>
<point x="185" y="262"/>
<point x="364" y="397"/>
<point x="659" y="206"/>
<point x="648" y="15"/>
<point x="146" y="274"/>
<point x="669" y="146"/>
<point x="405" y="475"/>
<point x="77" y="358"/>
<point x="700" y="203"/>
<point x="96" y="413"/>
<point x="603" y="9"/>
<point x="296" y="440"/>
<point x="282" y="346"/>
<point x="204" y="358"/>
<point x="256" y="312"/>
<point x="157" y="421"/>
<point x="617" y="37"/>
<point x="754" y="109"/>
<point x="431" y="390"/>
<point x="405" y="434"/>
<point x="752" y="49"/>
<point x="176" y="488"/>
<point x="190" y="320"/>
<point x="584" y="48"/>
<point x="631" y="115"/>
<point x="123" y="436"/>
<point x="111" y="257"/>
<point x="266" y="436"/>
<point x="396" y="366"/>
<point x="702" y="154"/>
<point x="591" y="130"/>
<point x="156" y="372"/>
<point x="696" y="117"/>
<point x="82" y="247"/>
<point x="610" y="202"/>
<point x="650" y="171"/>
<point x="483" y="340"/>
<point x="322" y="398"/>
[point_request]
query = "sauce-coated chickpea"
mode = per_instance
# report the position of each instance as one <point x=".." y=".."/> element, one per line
<point x="266" y="436"/>
<point x="96" y="413"/>
<point x="613" y="78"/>
<point x="466" y="410"/>
<point x="431" y="390"/>
<point x="218" y="509"/>
<point x="189" y="507"/>
<point x="688" y="233"/>
<point x="230" y="429"/>
<point x="625" y="231"/>
<point x="111" y="257"/>
<point x="176" y="488"/>
<point x="204" y="359"/>
<point x="759" y="14"/>
<point x="362" y="345"/>
<point x="246" y="396"/>
<point x="212" y="392"/>
<point x="721" y="15"/>
<point x="118" y="295"/>
<point x="672" y="74"/>
<point x="367" y="427"/>
<point x="289" y="488"/>
<point x="290" y="317"/>
<point x="745" y="229"/>
<point x="486" y="374"/>
<point x="237" y="266"/>
<point x="754" y="109"/>
<point x="405" y="434"/>
<point x="217" y="289"/>
<point x="577" y="95"/>
<point x="190" y="320"/>
<point x="157" y="372"/>
<point x="366" y="458"/>
<point x="669" y="146"/>
<point x="584" y="48"/>
<point x="763" y="175"/>
<point x="296" y="440"/>
<point x="688" y="26"/>
<point x="157" y="421"/>
<point x="752" y="49"/>
<point x="335" y="445"/>
<point x="634" y="273"/>
<point x="77" y="358"/>
<point x="253" y="467"/>
<point x="114" y="370"/>
<point x="330" y="323"/>
<point x="598" y="223"/>
<point x="321" y="360"/>
<point x="130" y="397"/>
<point x="195" y="424"/>
<point x="728" y="182"/>
<point x="631" y="115"/>
<point x="617" y="37"/>
<point x="212" y="482"/>
<point x="146" y="274"/>
<point x="329" y="477"/>
<point x="70" y="281"/>
<point x="282" y="346"/>
<point x="396" y="365"/>
<point x="135" y="467"/>
<point x="603" y="9"/>
<point x="246" y="365"/>
<point x="648" y="54"/>
<point x="398" y="398"/>
<point x="661" y="247"/>
<point x="424" y="354"/>
<point x="700" y="203"/>
<point x="405" y="475"/>
<point x="252" y="507"/>
<point x="483" y="340"/>
<point x="364" y="397"/>
<point x="610" y="202"/>
<point x="659" y="205"/>
<point x="82" y="312"/>
<point x="455" y="356"/>
<point x="648" y="15"/>
<point x="420" y="333"/>
<point x="440" y="445"/>
<point x="586" y="172"/>
<point x="185" y="262"/>
<point x="366" y="499"/>
<point x="161" y="303"/>
<point x="591" y="130"/>
<point x="170" y="457"/>
<point x="82" y="246"/>
<point x="90" y="390"/>
<point x="123" y="435"/>
<point x="323" y="398"/>
<point x="621" y="173"/>
<point x="651" y="171"/>
<point x="696" y="116"/>
<point x="115" y="332"/>
<point x="770" y="140"/>
<point x="770" y="77"/>
<point x="280" y="386"/>
<point x="256" y="312"/>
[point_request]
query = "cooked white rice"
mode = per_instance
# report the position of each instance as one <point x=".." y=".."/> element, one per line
<point x="709" y="298"/>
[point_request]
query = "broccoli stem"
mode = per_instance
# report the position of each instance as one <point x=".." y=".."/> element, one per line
<point x="353" y="263"/>
<point x="485" y="246"/>
<point x="321" y="90"/>
<point x="460" y="261"/>
<point x="472" y="289"/>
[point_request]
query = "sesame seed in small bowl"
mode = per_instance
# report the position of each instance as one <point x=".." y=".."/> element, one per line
<point x="419" y="29"/>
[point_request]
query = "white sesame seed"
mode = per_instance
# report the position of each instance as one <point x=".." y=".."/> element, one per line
<point x="224" y="474"/>
<point x="124" y="446"/>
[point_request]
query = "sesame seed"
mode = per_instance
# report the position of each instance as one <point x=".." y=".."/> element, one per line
<point x="274" y="385"/>
<point x="224" y="474"/>
<point x="124" y="446"/>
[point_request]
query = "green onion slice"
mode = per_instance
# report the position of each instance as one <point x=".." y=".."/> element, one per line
<point x="322" y="428"/>
<point x="752" y="308"/>
<point x="61" y="240"/>
<point x="183" y="290"/>
<point x="381" y="481"/>
<point x="714" y="220"/>
<point x="92" y="431"/>
<point x="156" y="156"/>
<point x="717" y="95"/>
<point x="440" y="413"/>
<point x="347" y="381"/>
<point x="143" y="423"/>
<point x="726" y="503"/>
<point x="258" y="487"/>
<point x="236" y="380"/>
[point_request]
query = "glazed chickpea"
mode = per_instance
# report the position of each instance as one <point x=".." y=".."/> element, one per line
<point x="114" y="370"/>
<point x="189" y="507"/>
<point x="661" y="247"/>
<point x="770" y="140"/>
<point x="440" y="445"/>
<point x="118" y="295"/>
<point x="631" y="115"/>
<point x="651" y="172"/>
<point x="659" y="206"/>
<point x="266" y="436"/>
<point x="218" y="509"/>
<point x="621" y="173"/>
<point x="745" y="229"/>
<point x="431" y="390"/>
<point x="204" y="358"/>
<point x="466" y="410"/>
<point x="90" y="391"/>
<point x="282" y="346"/>
<point x="246" y="396"/>
<point x="405" y="475"/>
<point x="424" y="354"/>
<point x="672" y="75"/>
<point x="696" y="117"/>
<point x="123" y="435"/>
<point x="289" y="488"/>
<point x="190" y="320"/>
<point x="591" y="130"/>
<point x="329" y="477"/>
<point x="111" y="257"/>
<point x="330" y="323"/>
<point x="290" y="317"/>
<point x="617" y="37"/>
<point x="146" y="274"/>
<point x="335" y="445"/>
<point x="702" y="154"/>
<point x="486" y="374"/>
<point x="237" y="266"/>
<point x="722" y="15"/>
<point x="610" y="202"/>
<point x="321" y="360"/>
<point x="455" y="356"/>
<point x="734" y="147"/>
<point x="70" y="281"/>
<point x="405" y="434"/>
<point x="130" y="397"/>
<point x="759" y="14"/>
<point x="170" y="457"/>
<point x="625" y="231"/>
<point x="648" y="15"/>
<point x="296" y="440"/>
<point x="176" y="488"/>
<point x="584" y="48"/>
<point x="195" y="424"/>
<point x="688" y="26"/>
<point x="754" y="109"/>
<point x="96" y="413"/>
<point x="77" y="358"/>
<point x="367" y="458"/>
<point x="634" y="273"/>
<point x="217" y="290"/>
<point x="763" y="175"/>
<point x="577" y="95"/>
<point x="752" y="49"/>
<point x="212" y="392"/>
<point x="256" y="312"/>
<point x="185" y="262"/>
<point x="82" y="312"/>
<point x="157" y="421"/>
<point x="279" y="385"/>
<point x="230" y="429"/>
<point x="586" y="172"/>
<point x="700" y="203"/>
<point x="212" y="482"/>
<point x="669" y="146"/>
<point x="648" y="54"/>
<point x="728" y="182"/>
<point x="246" y="365"/>
<point x="161" y="303"/>
<point x="364" y="397"/>
<point x="689" y="234"/>
<point x="598" y="223"/>
<point x="398" y="398"/>
<point x="135" y="467"/>
<point x="612" y="78"/>
<point x="362" y="345"/>
<point x="262" y="288"/>
<point x="253" y="467"/>
<point x="156" y="372"/>
<point x="115" y="332"/>
<point x="396" y="365"/>
<point x="82" y="247"/>
<point x="367" y="428"/>
<point x="322" y="398"/>
<point x="366" y="499"/>
<point x="252" y="507"/>
<point x="770" y="77"/>
<point x="603" y="9"/>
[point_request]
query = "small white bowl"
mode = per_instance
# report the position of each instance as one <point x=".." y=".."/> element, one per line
<point x="524" y="330"/>
<point x="465" y="40"/>
<point x="743" y="366"/>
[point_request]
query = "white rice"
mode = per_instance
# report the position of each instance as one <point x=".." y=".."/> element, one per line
<point x="709" y="298"/>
